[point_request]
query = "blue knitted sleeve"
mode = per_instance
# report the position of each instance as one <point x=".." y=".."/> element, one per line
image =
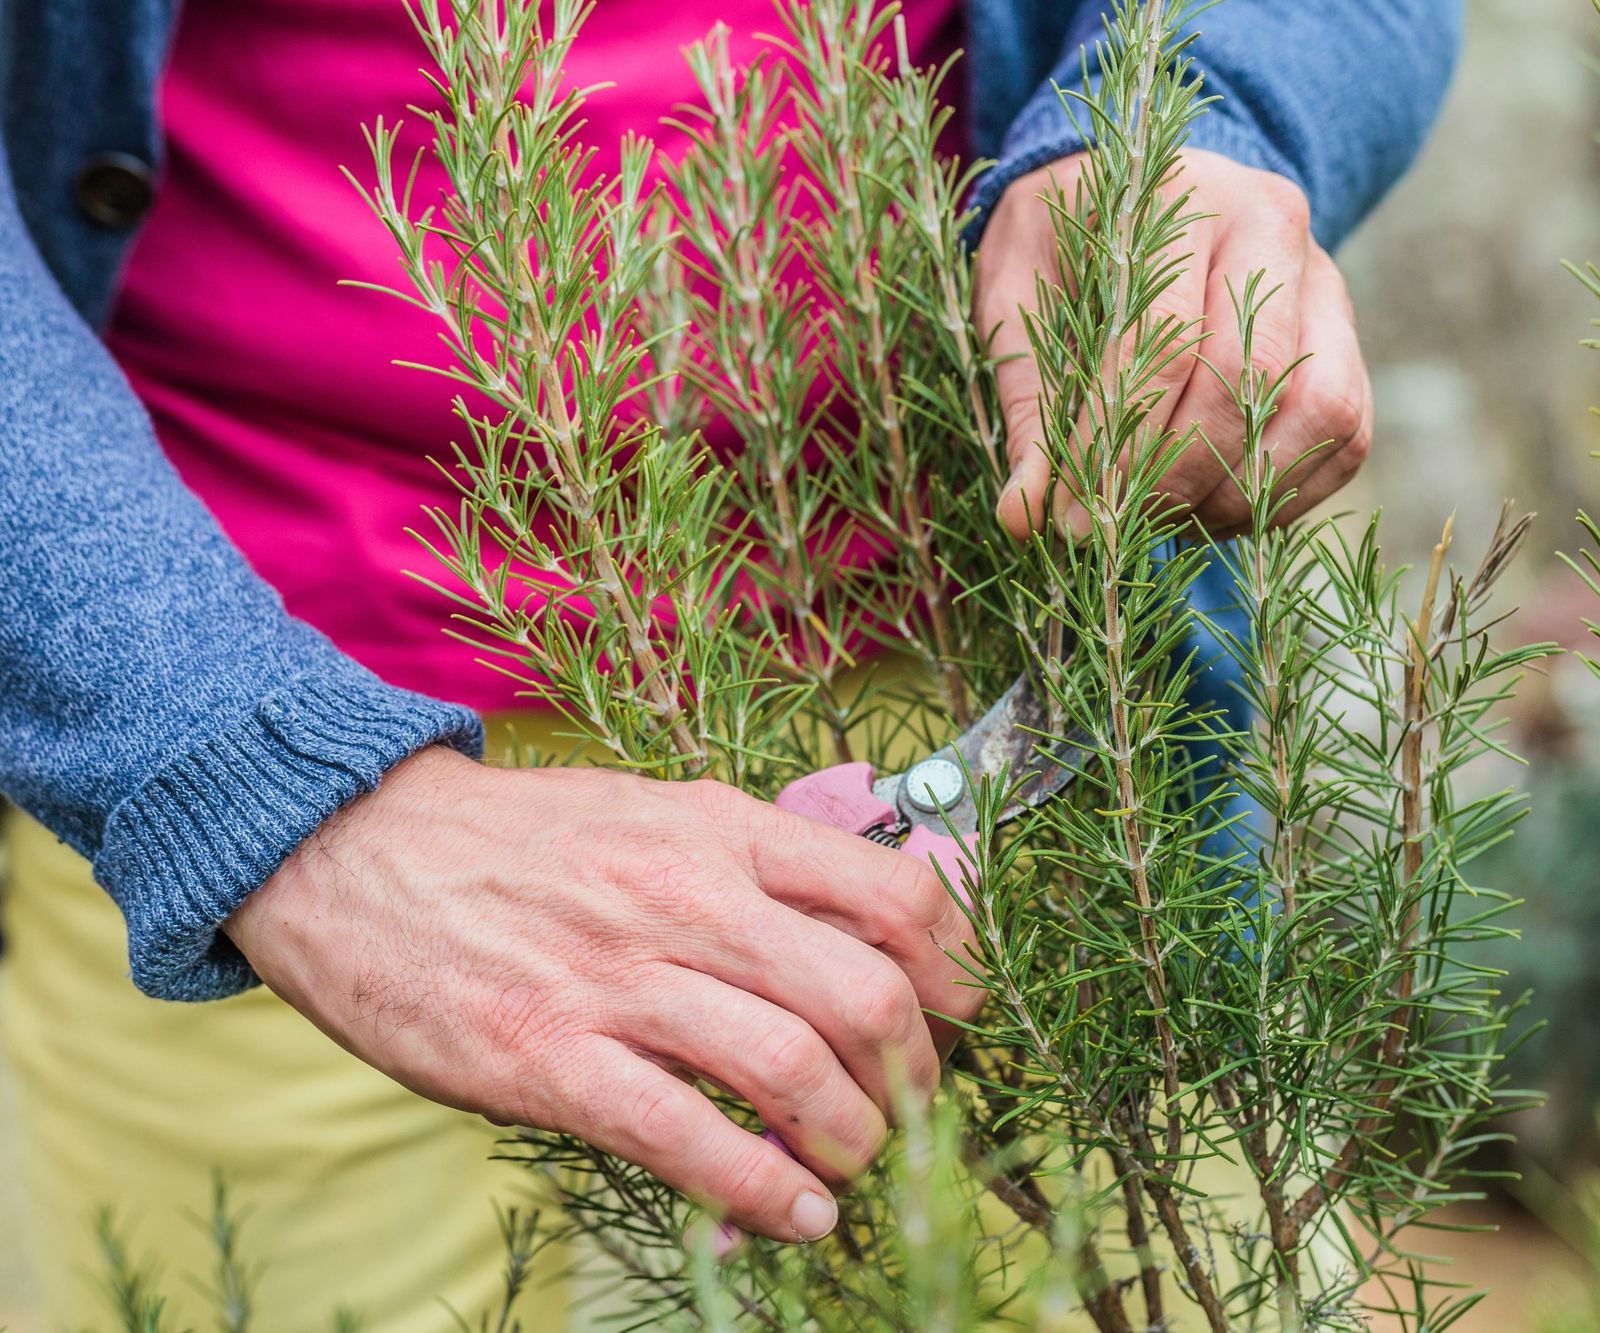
<point x="159" y="710"/>
<point x="1337" y="95"/>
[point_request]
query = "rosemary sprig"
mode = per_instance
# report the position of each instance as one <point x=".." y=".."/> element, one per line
<point x="1237" y="946"/>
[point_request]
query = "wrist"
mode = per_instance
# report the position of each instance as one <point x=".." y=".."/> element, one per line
<point x="219" y="816"/>
<point x="287" y="902"/>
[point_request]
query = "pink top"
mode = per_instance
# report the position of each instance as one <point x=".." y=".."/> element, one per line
<point x="272" y="388"/>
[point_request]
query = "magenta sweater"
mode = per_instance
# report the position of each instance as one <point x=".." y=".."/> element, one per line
<point x="271" y="387"/>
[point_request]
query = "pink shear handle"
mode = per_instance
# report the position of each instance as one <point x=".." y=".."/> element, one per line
<point x="842" y="797"/>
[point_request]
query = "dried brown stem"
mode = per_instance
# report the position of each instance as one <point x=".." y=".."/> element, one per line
<point x="1100" y="1296"/>
<point x="1158" y="1187"/>
<point x="1413" y="802"/>
<point x="1139" y="1243"/>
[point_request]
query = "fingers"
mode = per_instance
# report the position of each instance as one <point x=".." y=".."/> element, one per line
<point x="640" y="1112"/>
<point x="1009" y="291"/>
<point x="846" y="934"/>
<point x="1262" y="225"/>
<point x="1034" y="492"/>
<point x="1018" y="248"/>
<point x="883" y="897"/>
<point x="1161" y="385"/>
<point x="1180" y="305"/>
<point x="862" y="1003"/>
<point x="1026" y="498"/>
<point x="772" y="1059"/>
<point x="1272" y="236"/>
<point x="1322" y="432"/>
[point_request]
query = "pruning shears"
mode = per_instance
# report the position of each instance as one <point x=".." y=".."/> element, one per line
<point x="929" y="809"/>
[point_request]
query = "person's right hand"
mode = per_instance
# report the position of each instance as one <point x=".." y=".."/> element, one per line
<point x="560" y="947"/>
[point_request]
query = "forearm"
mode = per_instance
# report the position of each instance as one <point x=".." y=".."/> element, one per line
<point x="159" y="710"/>
<point x="1241" y="220"/>
<point x="1336" y="96"/>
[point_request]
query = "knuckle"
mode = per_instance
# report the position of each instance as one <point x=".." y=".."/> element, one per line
<point x="659" y="1116"/>
<point x="756" y="1184"/>
<point x="884" y="1008"/>
<point x="1358" y="448"/>
<point x="661" y="878"/>
<point x="792" y="1056"/>
<point x="738" y="821"/>
<point x="1177" y="372"/>
<point x="716" y="798"/>
<point x="1019" y="405"/>
<point x="1273" y="349"/>
<point x="1170" y="373"/>
<point x="1226" y="511"/>
<point x="512" y="1018"/>
<point x="786" y="834"/>
<point x="1338" y="412"/>
<point x="921" y="1078"/>
<point x="1286" y="202"/>
<point x="1181" y="319"/>
<point x="856" y="1157"/>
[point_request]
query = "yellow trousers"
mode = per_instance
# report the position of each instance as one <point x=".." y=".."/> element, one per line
<point x="356" y="1192"/>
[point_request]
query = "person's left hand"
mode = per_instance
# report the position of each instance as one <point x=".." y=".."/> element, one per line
<point x="1257" y="221"/>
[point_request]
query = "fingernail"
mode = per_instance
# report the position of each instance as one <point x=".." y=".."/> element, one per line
<point x="727" y="1239"/>
<point x="813" y="1216"/>
<point x="779" y="1144"/>
<point x="1072" y="520"/>
<point x="721" y="1238"/>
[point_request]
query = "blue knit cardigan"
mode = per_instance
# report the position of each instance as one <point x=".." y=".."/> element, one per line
<point x="159" y="710"/>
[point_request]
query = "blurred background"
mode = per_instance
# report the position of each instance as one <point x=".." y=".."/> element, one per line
<point x="1472" y="331"/>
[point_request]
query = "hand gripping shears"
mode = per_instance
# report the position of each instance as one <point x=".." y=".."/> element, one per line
<point x="929" y="809"/>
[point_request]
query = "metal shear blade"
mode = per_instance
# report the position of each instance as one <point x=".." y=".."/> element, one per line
<point x="1012" y="737"/>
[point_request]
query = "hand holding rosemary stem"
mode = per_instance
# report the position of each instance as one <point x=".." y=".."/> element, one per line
<point x="1170" y="982"/>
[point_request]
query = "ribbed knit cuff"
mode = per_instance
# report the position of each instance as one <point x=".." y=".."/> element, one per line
<point x="188" y="847"/>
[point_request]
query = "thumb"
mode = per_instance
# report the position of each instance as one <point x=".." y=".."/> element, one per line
<point x="1023" y="507"/>
<point x="1018" y="247"/>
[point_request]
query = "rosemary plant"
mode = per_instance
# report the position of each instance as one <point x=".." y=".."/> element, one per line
<point x="1231" y="1052"/>
<point x="1587" y="563"/>
<point x="134" y="1296"/>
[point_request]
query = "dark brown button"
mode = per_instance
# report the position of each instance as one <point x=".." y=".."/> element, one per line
<point x="115" y="189"/>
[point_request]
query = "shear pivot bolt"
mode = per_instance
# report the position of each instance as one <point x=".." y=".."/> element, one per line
<point x="935" y="784"/>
